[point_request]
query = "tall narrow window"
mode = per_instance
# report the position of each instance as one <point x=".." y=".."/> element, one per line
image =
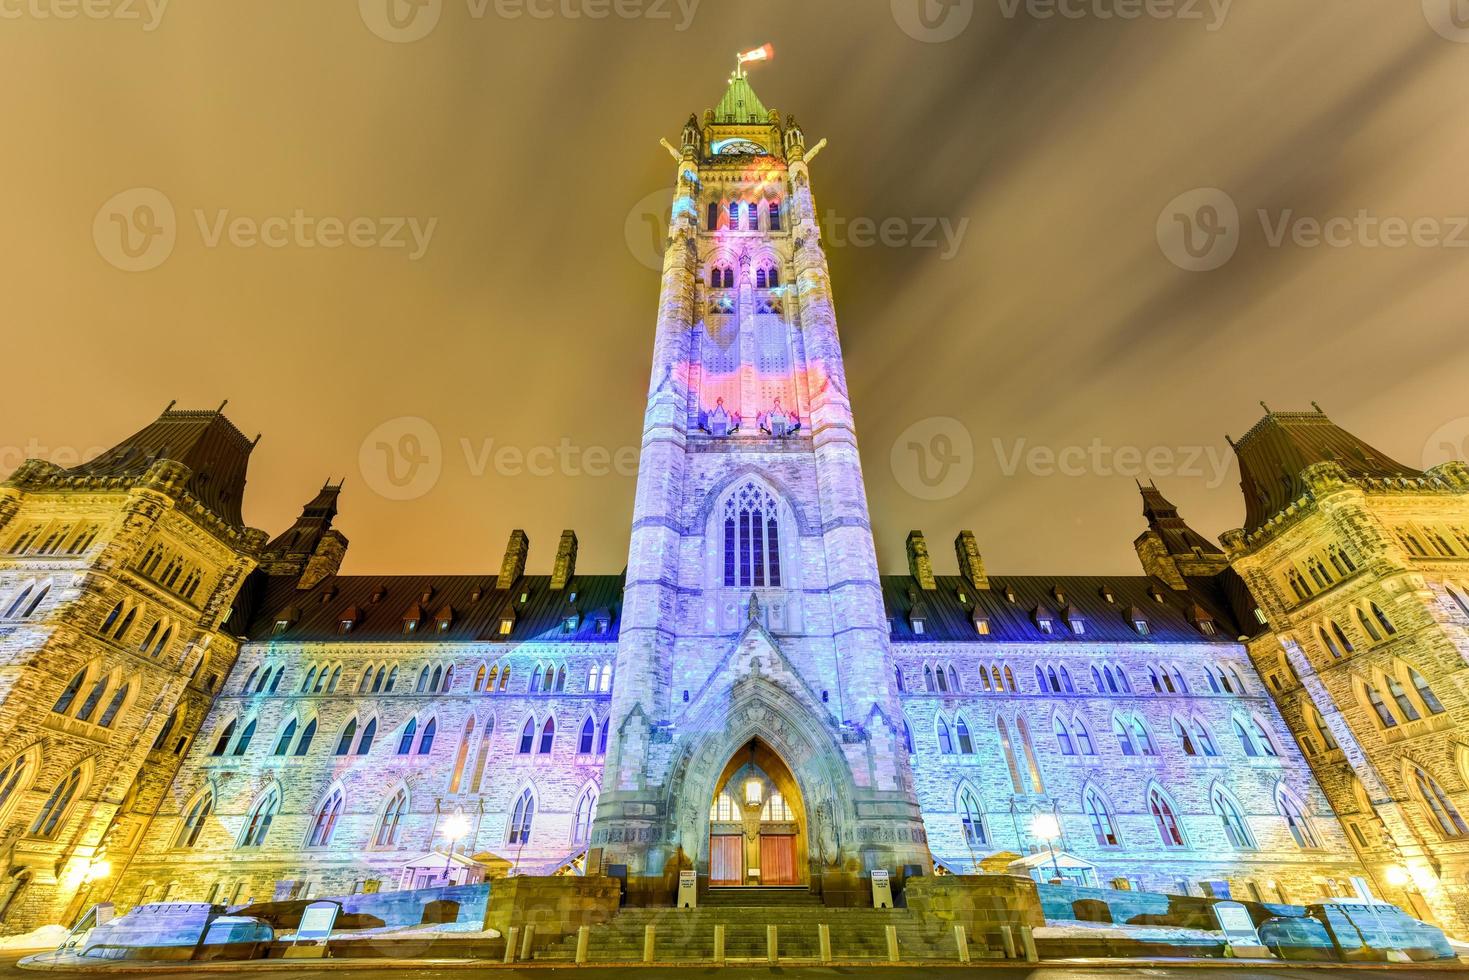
<point x="1063" y="736"/>
<point x="223" y="744"/>
<point x="528" y="736"/>
<point x="344" y="744"/>
<point x="69" y="695"/>
<point x="457" y="780"/>
<point x="972" y="820"/>
<point x="521" y="818"/>
<point x="193" y="824"/>
<point x="243" y="745"/>
<point x="1296" y="822"/>
<point x="426" y="740"/>
<point x="405" y="742"/>
<point x="588" y="737"/>
<point x="946" y="743"/>
<point x="774" y="215"/>
<point x="1100" y="815"/>
<point x="308" y="735"/>
<point x="392" y="820"/>
<point x="1385" y="716"/>
<point x="326" y="820"/>
<point x="288" y="734"/>
<point x="53" y="811"/>
<point x="966" y="743"/>
<point x="1440" y="807"/>
<point x="1010" y="759"/>
<point x="1036" y="784"/>
<point x="1425" y="693"/>
<point x="1165" y="819"/>
<point x="1400" y="695"/>
<point x="364" y="744"/>
<point x="752" y="538"/>
<point x="1235" y="829"/>
<point x="586" y="808"/>
<point x="548" y="736"/>
<point x="258" y="825"/>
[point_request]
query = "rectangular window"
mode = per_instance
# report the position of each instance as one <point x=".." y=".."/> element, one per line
<point x="729" y="551"/>
<point x="774" y="535"/>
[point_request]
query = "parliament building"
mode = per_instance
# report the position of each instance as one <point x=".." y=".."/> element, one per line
<point x="192" y="709"/>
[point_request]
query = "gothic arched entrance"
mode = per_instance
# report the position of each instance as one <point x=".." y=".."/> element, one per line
<point x="757" y="823"/>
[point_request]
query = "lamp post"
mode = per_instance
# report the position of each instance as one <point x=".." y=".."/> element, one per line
<point x="455" y="829"/>
<point x="1047" y="828"/>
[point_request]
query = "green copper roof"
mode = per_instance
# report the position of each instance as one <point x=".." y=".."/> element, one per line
<point x="740" y="104"/>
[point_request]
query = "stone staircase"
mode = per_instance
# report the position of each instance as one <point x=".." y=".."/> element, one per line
<point x="687" y="935"/>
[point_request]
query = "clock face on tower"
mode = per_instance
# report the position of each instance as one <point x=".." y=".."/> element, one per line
<point x="738" y="147"/>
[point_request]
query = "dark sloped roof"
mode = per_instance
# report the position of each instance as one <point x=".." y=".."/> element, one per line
<point x="216" y="453"/>
<point x="317" y="613"/>
<point x="1169" y="621"/>
<point x="1273" y="454"/>
<point x="1163" y="517"/>
<point x="1228" y="591"/>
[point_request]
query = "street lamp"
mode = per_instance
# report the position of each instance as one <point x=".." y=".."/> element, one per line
<point x="1046" y="827"/>
<point x="456" y="828"/>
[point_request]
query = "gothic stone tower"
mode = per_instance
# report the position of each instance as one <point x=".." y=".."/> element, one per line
<point x="116" y="577"/>
<point x="1359" y="565"/>
<point x="753" y="660"/>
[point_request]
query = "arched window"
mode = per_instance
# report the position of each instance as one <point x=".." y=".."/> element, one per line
<point x="1124" y="736"/>
<point x="344" y="744"/>
<point x="17" y="605"/>
<point x="193" y="824"/>
<point x="1009" y="750"/>
<point x="954" y="680"/>
<point x="1032" y="765"/>
<point x="1445" y="815"/>
<point x="1104" y="829"/>
<point x="1203" y="739"/>
<point x="89" y="706"/>
<point x="326" y="820"/>
<point x="1267" y="744"/>
<point x="606" y="683"/>
<point x="223" y="744"/>
<point x="310" y="677"/>
<point x="1425" y="693"/>
<point x="426" y="740"/>
<point x="283" y="744"/>
<point x="588" y="736"/>
<point x="392" y="820"/>
<point x="479" y="679"/>
<point x="928" y="682"/>
<point x="69" y="695"/>
<point x="946" y="744"/>
<point x="1317" y="722"/>
<point x="724" y="810"/>
<point x="1385" y="717"/>
<point x="773" y="210"/>
<point x="548" y="737"/>
<point x="308" y="735"/>
<point x="712" y="217"/>
<point x="734" y="215"/>
<point x="423" y="676"/>
<point x="751" y="538"/>
<point x="1406" y="708"/>
<point x="1063" y="736"/>
<point x="331" y="687"/>
<point x="528" y="736"/>
<point x="364" y="744"/>
<point x="405" y="742"/>
<point x="1327" y="642"/>
<point x="53" y="811"/>
<point x="243" y="745"/>
<point x="521" y="818"/>
<point x="776" y="810"/>
<point x="965" y="742"/>
<point x="898" y="678"/>
<point x="586" y="809"/>
<point x="1181" y="732"/>
<point x="535" y="680"/>
<point x="1165" y="819"/>
<point x="1296" y="822"/>
<point x="119" y="698"/>
<point x="1083" y="737"/>
<point x="972" y="820"/>
<point x="1341" y="638"/>
<point x="907" y="737"/>
<point x="438" y="678"/>
<point x="942" y="680"/>
<point x="1235" y="828"/>
<point x="602" y="736"/>
<point x="258" y="825"/>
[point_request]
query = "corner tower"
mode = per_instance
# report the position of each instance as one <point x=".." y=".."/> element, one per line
<point x="753" y="660"/>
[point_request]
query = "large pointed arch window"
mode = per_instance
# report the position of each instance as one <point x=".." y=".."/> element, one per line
<point x="1166" y="820"/>
<point x="195" y="821"/>
<point x="14" y="778"/>
<point x="258" y="826"/>
<point x="1446" y="816"/>
<point x="1235" y="829"/>
<point x="1104" y="828"/>
<point x="326" y="820"/>
<point x="972" y="819"/>
<point x="586" y="808"/>
<point x="392" y="820"/>
<point x="521" y="818"/>
<point x="1296" y="821"/>
<point x="48" y="821"/>
<point x="751" y="538"/>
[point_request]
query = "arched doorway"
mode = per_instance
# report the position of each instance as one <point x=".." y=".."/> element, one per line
<point x="757" y="823"/>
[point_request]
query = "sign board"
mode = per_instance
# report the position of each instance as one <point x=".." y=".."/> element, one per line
<point x="1240" y="936"/>
<point x="882" y="889"/>
<point x="688" y="890"/>
<point x="317" y="920"/>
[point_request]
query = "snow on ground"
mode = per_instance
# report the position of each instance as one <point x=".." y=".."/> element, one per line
<point x="46" y="937"/>
<point x="1072" y="929"/>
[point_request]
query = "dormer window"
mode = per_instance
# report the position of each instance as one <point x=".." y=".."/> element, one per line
<point x="1108" y="596"/>
<point x="1059" y="594"/>
<point x="963" y="598"/>
<point x="1009" y="594"/>
<point x="443" y="619"/>
<point x="378" y="594"/>
<point x="571" y="623"/>
<point x="281" y="625"/>
<point x="603" y="622"/>
<point x="476" y="595"/>
<point x="1074" y="620"/>
<point x="507" y="622"/>
<point x="286" y="620"/>
<point x="349" y="620"/>
<point x="1260" y="617"/>
<point x="571" y="598"/>
<point x="411" y="620"/>
<point x="1202" y="620"/>
<point x="524" y="598"/>
<point x="981" y="624"/>
<point x="917" y="618"/>
<point x="410" y="626"/>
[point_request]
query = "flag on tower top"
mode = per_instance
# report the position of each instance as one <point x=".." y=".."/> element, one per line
<point x="762" y="53"/>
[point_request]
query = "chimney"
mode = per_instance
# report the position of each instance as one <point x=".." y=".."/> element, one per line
<point x="513" y="567"/>
<point x="565" y="566"/>
<point x="971" y="563"/>
<point x="919" y="564"/>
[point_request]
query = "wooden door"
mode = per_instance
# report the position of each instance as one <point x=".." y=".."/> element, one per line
<point x="727" y="859"/>
<point x="778" y="859"/>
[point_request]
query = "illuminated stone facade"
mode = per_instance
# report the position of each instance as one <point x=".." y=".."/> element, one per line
<point x="751" y="700"/>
